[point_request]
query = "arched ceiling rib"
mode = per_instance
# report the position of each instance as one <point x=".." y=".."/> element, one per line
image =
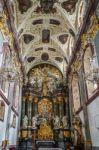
<point x="49" y="62"/>
<point x="28" y="14"/>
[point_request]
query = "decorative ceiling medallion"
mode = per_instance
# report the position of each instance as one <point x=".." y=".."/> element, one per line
<point x="46" y="36"/>
<point x="28" y="38"/>
<point x="69" y="6"/>
<point x="46" y="6"/>
<point x="59" y="59"/>
<point x="30" y="59"/>
<point x="24" y="5"/>
<point x="54" y="22"/>
<point x="63" y="38"/>
<point x="45" y="56"/>
<point x="36" y="22"/>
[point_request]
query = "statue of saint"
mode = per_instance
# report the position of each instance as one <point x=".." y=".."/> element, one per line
<point x="56" y="122"/>
<point x="65" y="122"/>
<point x="34" y="122"/>
<point x="25" y="121"/>
<point x="77" y="124"/>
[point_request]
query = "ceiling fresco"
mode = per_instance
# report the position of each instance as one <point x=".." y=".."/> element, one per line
<point x="47" y="30"/>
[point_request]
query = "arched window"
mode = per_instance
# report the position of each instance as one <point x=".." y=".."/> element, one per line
<point x="76" y="93"/>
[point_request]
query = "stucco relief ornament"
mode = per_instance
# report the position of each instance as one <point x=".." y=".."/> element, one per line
<point x="77" y="124"/>
<point x="4" y="28"/>
<point x="77" y="65"/>
<point x="15" y="63"/>
<point x="78" y="62"/>
<point x="70" y="79"/>
<point x="84" y="40"/>
<point x="94" y="27"/>
<point x="3" y="24"/>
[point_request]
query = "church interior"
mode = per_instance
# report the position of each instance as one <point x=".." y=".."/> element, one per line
<point x="49" y="74"/>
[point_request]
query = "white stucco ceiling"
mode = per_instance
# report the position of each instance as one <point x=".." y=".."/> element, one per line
<point x="68" y="21"/>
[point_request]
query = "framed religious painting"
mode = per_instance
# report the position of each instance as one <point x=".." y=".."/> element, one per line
<point x="2" y="110"/>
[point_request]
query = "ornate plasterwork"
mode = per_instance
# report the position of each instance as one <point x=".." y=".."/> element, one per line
<point x="4" y="29"/>
<point x="94" y="27"/>
<point x="45" y="78"/>
<point x="90" y="35"/>
<point x="11" y="71"/>
<point x="67" y="23"/>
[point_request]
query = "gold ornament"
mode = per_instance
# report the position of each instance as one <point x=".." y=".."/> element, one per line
<point x="95" y="27"/>
<point x="45" y="132"/>
<point x="4" y="29"/>
<point x="44" y="105"/>
<point x="92" y="32"/>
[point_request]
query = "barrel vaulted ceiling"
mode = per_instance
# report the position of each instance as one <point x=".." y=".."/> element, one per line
<point x="47" y="31"/>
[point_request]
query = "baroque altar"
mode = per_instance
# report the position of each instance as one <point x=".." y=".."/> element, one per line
<point x="45" y="114"/>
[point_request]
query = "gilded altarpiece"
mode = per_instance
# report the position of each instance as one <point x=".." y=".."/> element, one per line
<point x="45" y="113"/>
